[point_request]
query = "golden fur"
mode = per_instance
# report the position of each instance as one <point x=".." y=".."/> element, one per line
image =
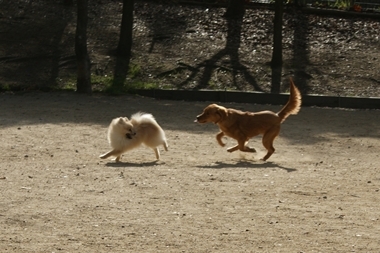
<point x="124" y="135"/>
<point x="242" y="126"/>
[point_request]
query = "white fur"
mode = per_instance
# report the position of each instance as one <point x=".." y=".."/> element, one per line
<point x="142" y="128"/>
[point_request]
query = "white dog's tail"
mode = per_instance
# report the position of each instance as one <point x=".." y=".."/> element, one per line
<point x="142" y="116"/>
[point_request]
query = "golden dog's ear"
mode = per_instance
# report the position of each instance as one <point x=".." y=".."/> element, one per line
<point x="222" y="112"/>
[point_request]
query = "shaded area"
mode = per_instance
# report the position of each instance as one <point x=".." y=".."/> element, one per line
<point x="200" y="75"/>
<point x="246" y="164"/>
<point x="31" y="40"/>
<point x="300" y="59"/>
<point x="122" y="164"/>
<point x="170" y="40"/>
<point x="231" y="50"/>
<point x="163" y="25"/>
<point x="69" y="108"/>
<point x="124" y="47"/>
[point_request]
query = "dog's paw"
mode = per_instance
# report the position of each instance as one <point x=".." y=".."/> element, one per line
<point x="249" y="149"/>
<point x="232" y="149"/>
<point x="221" y="143"/>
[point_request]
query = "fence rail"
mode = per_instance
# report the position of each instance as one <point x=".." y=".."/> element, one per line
<point x="346" y="5"/>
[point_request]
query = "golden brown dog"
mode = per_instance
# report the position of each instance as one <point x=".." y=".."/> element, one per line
<point x="242" y="126"/>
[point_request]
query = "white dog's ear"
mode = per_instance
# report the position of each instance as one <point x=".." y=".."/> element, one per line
<point x="121" y="120"/>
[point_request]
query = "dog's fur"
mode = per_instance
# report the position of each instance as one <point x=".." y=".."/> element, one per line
<point x="124" y="135"/>
<point x="242" y="126"/>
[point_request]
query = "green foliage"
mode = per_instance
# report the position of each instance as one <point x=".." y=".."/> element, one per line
<point x="128" y="87"/>
<point x="134" y="71"/>
<point x="101" y="82"/>
<point x="107" y="83"/>
<point x="4" y="87"/>
<point x="342" y="4"/>
<point x="67" y="84"/>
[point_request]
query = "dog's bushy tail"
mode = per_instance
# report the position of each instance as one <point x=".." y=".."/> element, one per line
<point x="294" y="103"/>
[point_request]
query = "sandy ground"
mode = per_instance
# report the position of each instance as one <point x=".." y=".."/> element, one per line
<point x="318" y="193"/>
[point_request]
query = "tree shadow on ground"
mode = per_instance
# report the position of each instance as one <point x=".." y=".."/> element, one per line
<point x="159" y="20"/>
<point x="245" y="164"/>
<point x="231" y="50"/>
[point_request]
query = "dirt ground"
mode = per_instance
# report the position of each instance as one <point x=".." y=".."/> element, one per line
<point x="319" y="192"/>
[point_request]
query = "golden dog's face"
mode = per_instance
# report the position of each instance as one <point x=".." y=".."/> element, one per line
<point x="212" y="113"/>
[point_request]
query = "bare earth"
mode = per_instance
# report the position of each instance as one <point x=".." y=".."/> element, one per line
<point x="319" y="192"/>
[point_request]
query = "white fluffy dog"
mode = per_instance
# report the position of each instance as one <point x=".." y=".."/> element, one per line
<point x="124" y="135"/>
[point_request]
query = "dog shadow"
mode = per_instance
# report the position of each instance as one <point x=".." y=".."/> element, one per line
<point x="246" y="164"/>
<point x="132" y="164"/>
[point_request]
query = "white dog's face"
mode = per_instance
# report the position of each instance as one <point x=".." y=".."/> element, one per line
<point x="126" y="127"/>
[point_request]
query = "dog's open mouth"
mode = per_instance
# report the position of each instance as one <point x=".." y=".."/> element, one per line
<point x="198" y="120"/>
<point x="128" y="135"/>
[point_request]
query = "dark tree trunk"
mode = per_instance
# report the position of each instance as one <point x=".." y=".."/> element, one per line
<point x="276" y="62"/>
<point x="235" y="9"/>
<point x="83" y="60"/>
<point x="125" y="44"/>
<point x="125" y="41"/>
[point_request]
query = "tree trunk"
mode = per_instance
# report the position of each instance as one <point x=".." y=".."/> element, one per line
<point x="235" y="9"/>
<point x="276" y="62"/>
<point x="125" y="41"/>
<point x="83" y="60"/>
<point x="125" y="45"/>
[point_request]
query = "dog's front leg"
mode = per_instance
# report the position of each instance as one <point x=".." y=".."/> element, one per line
<point x="248" y="148"/>
<point x="110" y="153"/>
<point x="113" y="152"/>
<point x="219" y="137"/>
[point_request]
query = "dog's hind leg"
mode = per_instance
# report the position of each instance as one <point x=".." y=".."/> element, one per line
<point x="111" y="153"/>
<point x="165" y="144"/>
<point x="242" y="146"/>
<point x="268" y="139"/>
<point x="232" y="149"/>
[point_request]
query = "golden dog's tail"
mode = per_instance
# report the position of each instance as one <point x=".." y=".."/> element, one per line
<point x="294" y="103"/>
